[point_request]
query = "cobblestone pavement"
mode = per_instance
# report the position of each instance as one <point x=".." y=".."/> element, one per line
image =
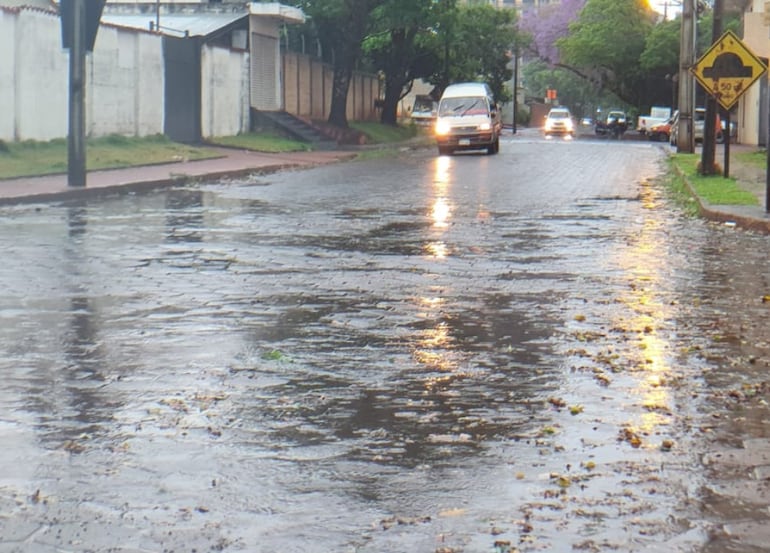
<point x="234" y="162"/>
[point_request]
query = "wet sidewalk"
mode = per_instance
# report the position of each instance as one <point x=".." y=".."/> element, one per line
<point x="230" y="163"/>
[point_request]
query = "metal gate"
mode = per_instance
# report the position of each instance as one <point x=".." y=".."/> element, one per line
<point x="182" y="102"/>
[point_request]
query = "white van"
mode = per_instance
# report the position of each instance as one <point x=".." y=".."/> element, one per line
<point x="468" y="119"/>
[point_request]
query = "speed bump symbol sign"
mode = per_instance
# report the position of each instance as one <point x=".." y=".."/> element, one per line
<point x="728" y="69"/>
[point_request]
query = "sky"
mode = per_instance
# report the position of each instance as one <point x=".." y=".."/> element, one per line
<point x="672" y="7"/>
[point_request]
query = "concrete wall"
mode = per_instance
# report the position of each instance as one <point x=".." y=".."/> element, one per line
<point x="224" y="92"/>
<point x="41" y="68"/>
<point x="124" y="80"/>
<point x="7" y="75"/>
<point x="125" y="84"/>
<point x="307" y="85"/>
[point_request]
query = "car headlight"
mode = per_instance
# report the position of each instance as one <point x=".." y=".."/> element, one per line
<point x="548" y="125"/>
<point x="568" y="124"/>
<point x="485" y="127"/>
<point x="442" y="127"/>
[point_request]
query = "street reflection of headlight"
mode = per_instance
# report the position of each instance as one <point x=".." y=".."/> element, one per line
<point x="442" y="127"/>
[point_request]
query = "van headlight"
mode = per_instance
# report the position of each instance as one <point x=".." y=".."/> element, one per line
<point x="442" y="127"/>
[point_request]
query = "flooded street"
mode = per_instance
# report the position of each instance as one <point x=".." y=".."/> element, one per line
<point x="533" y="351"/>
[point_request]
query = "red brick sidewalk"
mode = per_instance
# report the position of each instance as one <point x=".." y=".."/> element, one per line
<point x="232" y="162"/>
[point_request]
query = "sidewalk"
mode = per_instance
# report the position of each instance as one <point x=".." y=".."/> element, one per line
<point x="231" y="163"/>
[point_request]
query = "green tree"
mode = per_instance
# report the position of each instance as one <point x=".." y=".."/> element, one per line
<point x="477" y="41"/>
<point x="605" y="44"/>
<point x="341" y="26"/>
<point x="404" y="47"/>
<point x="574" y="91"/>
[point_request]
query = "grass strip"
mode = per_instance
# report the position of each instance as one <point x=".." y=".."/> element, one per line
<point x="715" y="190"/>
<point x="31" y="158"/>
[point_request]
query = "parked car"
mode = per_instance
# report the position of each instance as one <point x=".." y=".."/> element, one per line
<point x="662" y="131"/>
<point x="559" y="121"/>
<point x="424" y="110"/>
<point x="699" y="125"/>
<point x="615" y="124"/>
<point x="656" y="116"/>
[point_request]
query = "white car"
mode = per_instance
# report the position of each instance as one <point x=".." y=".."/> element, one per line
<point x="559" y="121"/>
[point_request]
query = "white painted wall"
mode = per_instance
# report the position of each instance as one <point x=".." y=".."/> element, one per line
<point x="7" y="69"/>
<point x="755" y="32"/>
<point x="125" y="84"/>
<point x="224" y="92"/>
<point x="41" y="71"/>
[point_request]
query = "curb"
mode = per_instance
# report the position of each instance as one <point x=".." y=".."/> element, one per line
<point x="728" y="215"/>
<point x="141" y="186"/>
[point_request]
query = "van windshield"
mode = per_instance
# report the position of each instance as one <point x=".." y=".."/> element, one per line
<point x="463" y="106"/>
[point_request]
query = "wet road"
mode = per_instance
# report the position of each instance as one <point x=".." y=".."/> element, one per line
<point x="533" y="351"/>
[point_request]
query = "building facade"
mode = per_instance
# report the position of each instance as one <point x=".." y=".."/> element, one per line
<point x="752" y="112"/>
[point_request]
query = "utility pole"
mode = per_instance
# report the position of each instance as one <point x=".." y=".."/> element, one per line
<point x="709" y="125"/>
<point x="685" y="140"/>
<point x="76" y="137"/>
<point x="515" y="83"/>
<point x="79" y="25"/>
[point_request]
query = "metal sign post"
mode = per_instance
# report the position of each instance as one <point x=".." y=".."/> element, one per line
<point x="76" y="137"/>
<point x="79" y="24"/>
<point x="725" y="71"/>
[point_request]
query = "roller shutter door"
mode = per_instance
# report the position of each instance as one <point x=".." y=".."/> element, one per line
<point x="264" y="72"/>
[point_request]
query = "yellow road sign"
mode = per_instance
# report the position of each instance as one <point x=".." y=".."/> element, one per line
<point x="728" y="69"/>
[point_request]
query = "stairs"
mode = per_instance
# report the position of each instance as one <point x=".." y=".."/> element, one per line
<point x="295" y="127"/>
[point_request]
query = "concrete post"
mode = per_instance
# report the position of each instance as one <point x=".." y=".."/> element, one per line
<point x="76" y="137"/>
<point x="685" y="139"/>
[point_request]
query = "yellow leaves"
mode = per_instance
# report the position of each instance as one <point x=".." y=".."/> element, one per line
<point x="390" y="522"/>
<point x="580" y="318"/>
<point x="557" y="402"/>
<point x="666" y="445"/>
<point x="766" y="298"/>
<point x="630" y="436"/>
<point x="175" y="403"/>
<point x="563" y="481"/>
<point x="602" y="377"/>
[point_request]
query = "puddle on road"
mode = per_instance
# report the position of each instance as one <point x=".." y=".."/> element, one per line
<point x="197" y="370"/>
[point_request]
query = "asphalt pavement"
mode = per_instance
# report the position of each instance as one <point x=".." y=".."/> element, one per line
<point x="233" y="162"/>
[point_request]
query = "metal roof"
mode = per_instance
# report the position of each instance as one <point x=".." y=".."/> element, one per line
<point x="199" y="24"/>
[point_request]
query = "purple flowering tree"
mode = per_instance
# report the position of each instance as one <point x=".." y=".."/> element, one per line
<point x="548" y="24"/>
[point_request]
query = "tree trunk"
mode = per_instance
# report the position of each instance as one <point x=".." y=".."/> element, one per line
<point x="394" y="88"/>
<point x="338" y="115"/>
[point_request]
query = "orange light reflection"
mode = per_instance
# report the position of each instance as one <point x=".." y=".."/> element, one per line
<point x="644" y="265"/>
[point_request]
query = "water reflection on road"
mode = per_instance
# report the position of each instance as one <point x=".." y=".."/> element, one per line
<point x="467" y="353"/>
